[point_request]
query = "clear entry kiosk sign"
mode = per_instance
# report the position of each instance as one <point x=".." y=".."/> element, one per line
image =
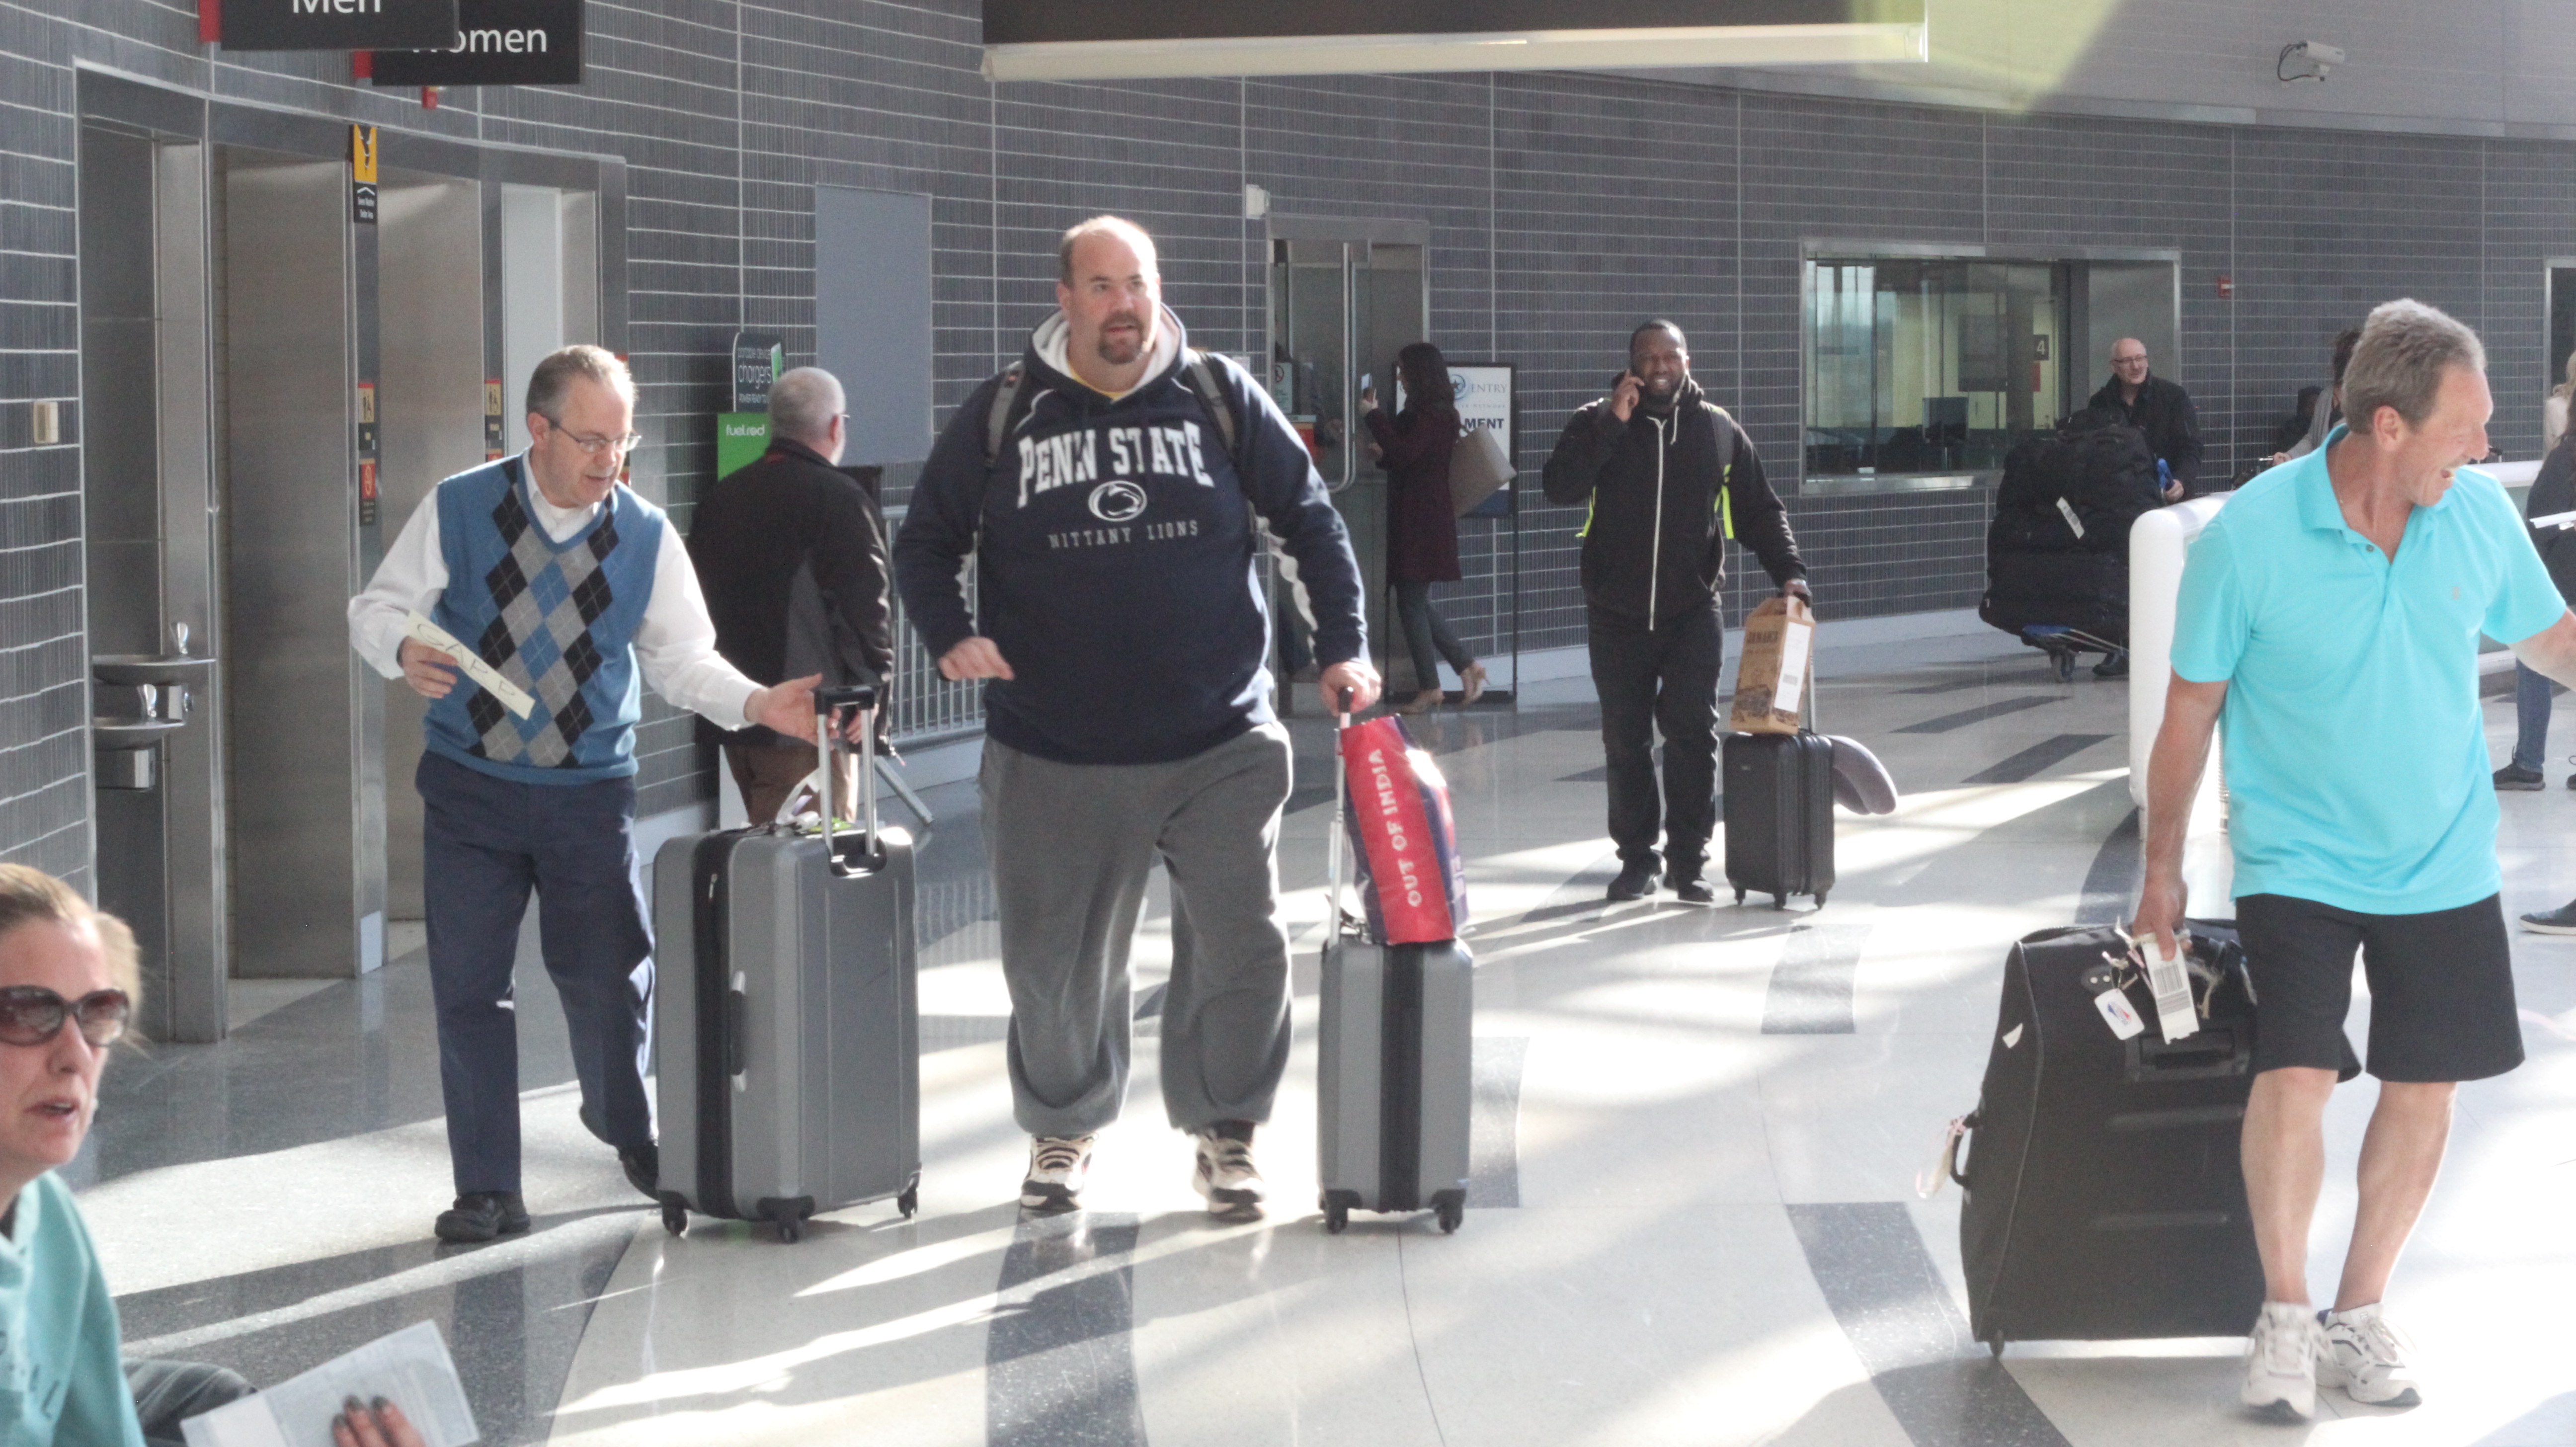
<point x="337" y="24"/>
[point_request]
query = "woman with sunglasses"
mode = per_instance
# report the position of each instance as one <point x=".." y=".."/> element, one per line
<point x="68" y="981"/>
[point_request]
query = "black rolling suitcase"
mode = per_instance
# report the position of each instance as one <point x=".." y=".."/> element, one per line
<point x="2105" y="1199"/>
<point x="1779" y="815"/>
<point x="789" y="1080"/>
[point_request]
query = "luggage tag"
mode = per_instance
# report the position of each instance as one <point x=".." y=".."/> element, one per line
<point x="2106" y="983"/>
<point x="2177" y="1016"/>
<point x="2067" y="511"/>
<point x="1945" y="1160"/>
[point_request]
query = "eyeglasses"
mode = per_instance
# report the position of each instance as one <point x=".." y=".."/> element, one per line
<point x="596" y="445"/>
<point x="34" y="1015"/>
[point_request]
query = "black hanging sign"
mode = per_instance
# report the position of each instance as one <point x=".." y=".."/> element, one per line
<point x="758" y="358"/>
<point x="497" y="42"/>
<point x="337" y="24"/>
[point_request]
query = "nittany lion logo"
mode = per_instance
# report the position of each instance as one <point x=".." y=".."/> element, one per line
<point x="1117" y="502"/>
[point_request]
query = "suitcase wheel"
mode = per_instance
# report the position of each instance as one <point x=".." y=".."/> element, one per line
<point x="675" y="1217"/>
<point x="2065" y="674"/>
<point x="910" y="1201"/>
<point x="1739" y="896"/>
<point x="1779" y="901"/>
<point x="1337" y="1210"/>
<point x="1820" y="899"/>
<point x="1450" y="1207"/>
<point x="790" y="1223"/>
<point x="1997" y="1347"/>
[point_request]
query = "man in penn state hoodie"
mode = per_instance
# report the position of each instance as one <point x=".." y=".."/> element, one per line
<point x="1666" y="477"/>
<point x="1111" y="488"/>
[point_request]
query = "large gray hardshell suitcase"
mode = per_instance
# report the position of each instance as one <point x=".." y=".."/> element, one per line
<point x="790" y="1069"/>
<point x="1395" y="1078"/>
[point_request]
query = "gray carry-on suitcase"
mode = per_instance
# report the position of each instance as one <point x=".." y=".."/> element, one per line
<point x="790" y="1071"/>
<point x="1395" y="1079"/>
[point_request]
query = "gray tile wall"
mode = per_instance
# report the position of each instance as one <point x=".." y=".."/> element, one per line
<point x="1563" y="208"/>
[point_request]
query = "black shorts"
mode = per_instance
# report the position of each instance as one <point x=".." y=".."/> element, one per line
<point x="2441" y="987"/>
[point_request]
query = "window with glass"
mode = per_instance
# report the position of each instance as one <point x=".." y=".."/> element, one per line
<point x="1921" y="367"/>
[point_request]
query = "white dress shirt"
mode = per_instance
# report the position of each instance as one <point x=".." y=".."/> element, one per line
<point x="675" y="643"/>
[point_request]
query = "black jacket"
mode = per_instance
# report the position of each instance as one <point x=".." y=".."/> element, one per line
<point x="1654" y="537"/>
<point x="1115" y="542"/>
<point x="750" y="538"/>
<point x="2164" y="412"/>
<point x="2554" y="491"/>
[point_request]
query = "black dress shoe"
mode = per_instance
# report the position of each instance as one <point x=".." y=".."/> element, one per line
<point x="1635" y="881"/>
<point x="2115" y="666"/>
<point x="643" y="1169"/>
<point x="1694" y="890"/>
<point x="482" y="1216"/>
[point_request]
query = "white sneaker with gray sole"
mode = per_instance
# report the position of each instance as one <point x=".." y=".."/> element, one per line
<point x="2365" y="1354"/>
<point x="2281" y="1362"/>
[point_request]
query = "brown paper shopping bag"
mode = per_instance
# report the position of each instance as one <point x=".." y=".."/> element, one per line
<point x="1771" y="677"/>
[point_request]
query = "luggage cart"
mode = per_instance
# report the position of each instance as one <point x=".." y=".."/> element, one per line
<point x="2066" y="646"/>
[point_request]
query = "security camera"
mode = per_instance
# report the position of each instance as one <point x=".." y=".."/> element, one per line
<point x="2307" y="60"/>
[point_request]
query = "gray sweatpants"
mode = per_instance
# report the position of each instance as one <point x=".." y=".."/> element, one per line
<point x="1071" y="846"/>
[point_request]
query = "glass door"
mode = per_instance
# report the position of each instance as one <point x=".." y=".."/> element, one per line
<point x="1339" y="312"/>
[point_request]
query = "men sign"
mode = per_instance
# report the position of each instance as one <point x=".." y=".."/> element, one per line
<point x="495" y="42"/>
<point x="335" y="24"/>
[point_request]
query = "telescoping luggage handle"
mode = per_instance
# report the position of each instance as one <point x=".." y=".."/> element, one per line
<point x="828" y="703"/>
<point x="1333" y="842"/>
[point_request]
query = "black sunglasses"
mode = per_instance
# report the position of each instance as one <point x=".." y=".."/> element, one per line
<point x="34" y="1015"/>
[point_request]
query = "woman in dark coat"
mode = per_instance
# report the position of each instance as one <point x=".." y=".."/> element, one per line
<point x="1422" y="524"/>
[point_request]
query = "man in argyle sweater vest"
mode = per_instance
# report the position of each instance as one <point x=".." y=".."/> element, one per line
<point x="579" y="593"/>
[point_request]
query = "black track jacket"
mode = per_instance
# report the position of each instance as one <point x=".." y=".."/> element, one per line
<point x="1654" y="538"/>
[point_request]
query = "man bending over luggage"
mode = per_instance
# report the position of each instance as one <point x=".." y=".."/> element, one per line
<point x="570" y="587"/>
<point x="1665" y="478"/>
<point x="2331" y="615"/>
<point x="1112" y="487"/>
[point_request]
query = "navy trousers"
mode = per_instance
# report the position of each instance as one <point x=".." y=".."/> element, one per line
<point x="490" y="841"/>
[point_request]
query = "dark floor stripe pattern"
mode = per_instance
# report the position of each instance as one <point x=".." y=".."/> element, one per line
<point x="1811" y="987"/>
<point x="1966" y="716"/>
<point x="1061" y="1370"/>
<point x="2111" y="885"/>
<point x="2031" y="762"/>
<point x="1878" y="1278"/>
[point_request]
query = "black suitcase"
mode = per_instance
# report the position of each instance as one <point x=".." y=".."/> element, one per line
<point x="2105" y="1199"/>
<point x="1780" y="815"/>
<point x="790" y="1067"/>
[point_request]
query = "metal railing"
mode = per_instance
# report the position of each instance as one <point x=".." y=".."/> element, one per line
<point x="928" y="708"/>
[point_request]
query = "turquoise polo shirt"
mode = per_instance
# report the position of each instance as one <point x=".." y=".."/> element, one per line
<point x="2356" y="755"/>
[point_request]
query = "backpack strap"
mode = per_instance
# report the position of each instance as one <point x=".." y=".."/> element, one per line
<point x="1006" y="400"/>
<point x="1725" y="426"/>
<point x="1201" y="379"/>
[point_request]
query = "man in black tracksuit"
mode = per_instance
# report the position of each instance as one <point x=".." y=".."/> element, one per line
<point x="792" y="531"/>
<point x="1667" y="477"/>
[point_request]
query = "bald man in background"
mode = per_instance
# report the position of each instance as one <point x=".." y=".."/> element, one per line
<point x="2159" y="408"/>
<point x="793" y="532"/>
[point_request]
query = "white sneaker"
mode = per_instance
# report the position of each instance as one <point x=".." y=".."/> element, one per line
<point x="2366" y="1355"/>
<point x="1226" y="1174"/>
<point x="1058" y="1166"/>
<point x="2281" y="1362"/>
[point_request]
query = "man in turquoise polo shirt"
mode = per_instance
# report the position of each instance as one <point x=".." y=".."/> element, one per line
<point x="2330" y="615"/>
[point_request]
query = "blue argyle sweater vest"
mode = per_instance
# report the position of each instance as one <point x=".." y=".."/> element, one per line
<point x="557" y="619"/>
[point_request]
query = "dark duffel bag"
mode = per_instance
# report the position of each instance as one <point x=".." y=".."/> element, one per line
<point x="2105" y="1196"/>
<point x="2086" y="591"/>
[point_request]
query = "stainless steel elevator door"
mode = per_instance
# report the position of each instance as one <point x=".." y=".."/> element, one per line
<point x="305" y="715"/>
<point x="429" y="411"/>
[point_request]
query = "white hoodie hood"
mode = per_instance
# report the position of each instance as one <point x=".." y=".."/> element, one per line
<point x="1049" y="341"/>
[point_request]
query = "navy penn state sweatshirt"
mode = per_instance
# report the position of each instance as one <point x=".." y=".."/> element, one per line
<point x="1116" y="562"/>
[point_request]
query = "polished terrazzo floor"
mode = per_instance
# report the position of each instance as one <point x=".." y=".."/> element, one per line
<point x="1694" y="1217"/>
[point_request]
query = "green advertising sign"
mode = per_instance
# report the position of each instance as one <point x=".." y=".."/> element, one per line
<point x="740" y="439"/>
